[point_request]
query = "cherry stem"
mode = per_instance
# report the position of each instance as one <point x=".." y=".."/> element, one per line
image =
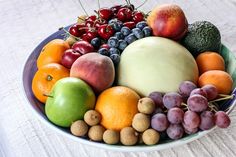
<point x="62" y="28"/>
<point x="224" y="98"/>
<point x="81" y="18"/>
<point x="83" y="7"/>
<point x="142" y="4"/>
<point x="99" y="7"/>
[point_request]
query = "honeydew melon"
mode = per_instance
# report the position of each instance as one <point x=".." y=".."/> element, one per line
<point x="156" y="64"/>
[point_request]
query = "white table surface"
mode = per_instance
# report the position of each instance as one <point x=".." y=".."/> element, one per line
<point x="23" y="24"/>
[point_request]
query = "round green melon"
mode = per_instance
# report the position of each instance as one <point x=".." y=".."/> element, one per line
<point x="156" y="64"/>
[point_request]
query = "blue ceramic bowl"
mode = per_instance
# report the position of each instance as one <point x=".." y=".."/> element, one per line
<point x="37" y="108"/>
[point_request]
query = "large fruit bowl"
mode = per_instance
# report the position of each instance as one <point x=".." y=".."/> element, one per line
<point x="37" y="108"/>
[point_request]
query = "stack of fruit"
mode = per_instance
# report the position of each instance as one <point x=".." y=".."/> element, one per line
<point x="123" y="76"/>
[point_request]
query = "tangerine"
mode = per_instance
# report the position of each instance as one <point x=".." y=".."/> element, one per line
<point x="45" y="78"/>
<point x="52" y="52"/>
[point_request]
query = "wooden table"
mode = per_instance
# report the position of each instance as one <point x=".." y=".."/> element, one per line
<point x="25" y="23"/>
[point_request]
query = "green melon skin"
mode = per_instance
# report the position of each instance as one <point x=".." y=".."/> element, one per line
<point x="156" y="64"/>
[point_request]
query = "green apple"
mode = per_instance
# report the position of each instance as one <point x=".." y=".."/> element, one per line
<point x="70" y="98"/>
<point x="156" y="64"/>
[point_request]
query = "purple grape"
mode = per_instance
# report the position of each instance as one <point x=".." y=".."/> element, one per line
<point x="157" y="110"/>
<point x="175" y="131"/>
<point x="157" y="98"/>
<point x="211" y="91"/>
<point x="207" y="120"/>
<point x="199" y="91"/>
<point x="189" y="130"/>
<point x="191" y="119"/>
<point x="159" y="122"/>
<point x="222" y="120"/>
<point x="172" y="99"/>
<point x="186" y="87"/>
<point x="175" y="115"/>
<point x="197" y="103"/>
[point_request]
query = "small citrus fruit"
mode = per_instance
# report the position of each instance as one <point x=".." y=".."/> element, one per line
<point x="210" y="61"/>
<point x="117" y="106"/>
<point x="45" y="78"/>
<point x="52" y="52"/>
<point x="220" y="79"/>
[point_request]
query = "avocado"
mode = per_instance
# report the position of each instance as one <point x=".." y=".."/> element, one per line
<point x="202" y="36"/>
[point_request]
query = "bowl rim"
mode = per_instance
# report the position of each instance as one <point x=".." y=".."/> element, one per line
<point x="120" y="148"/>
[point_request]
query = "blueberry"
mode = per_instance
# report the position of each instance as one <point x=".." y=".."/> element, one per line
<point x="147" y="31"/>
<point x="117" y="26"/>
<point x="112" y="21"/>
<point x="130" y="38"/>
<point x="122" y="44"/>
<point x="96" y="42"/>
<point x="114" y="51"/>
<point x="125" y="31"/>
<point x="138" y="33"/>
<point x="115" y="58"/>
<point x="119" y="35"/>
<point x="103" y="51"/>
<point x="141" y="24"/>
<point x="113" y="42"/>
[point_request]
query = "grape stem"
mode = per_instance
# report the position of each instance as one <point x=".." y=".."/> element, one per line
<point x="224" y="98"/>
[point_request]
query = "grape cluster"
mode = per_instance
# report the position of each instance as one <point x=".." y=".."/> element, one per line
<point x="187" y="111"/>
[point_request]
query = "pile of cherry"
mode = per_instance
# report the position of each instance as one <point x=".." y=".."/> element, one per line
<point x="188" y="110"/>
<point x="112" y="30"/>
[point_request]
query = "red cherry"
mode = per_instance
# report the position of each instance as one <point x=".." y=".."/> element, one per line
<point x="115" y="8"/>
<point x="130" y="24"/>
<point x="69" y="57"/>
<point x="124" y="14"/>
<point x="105" y="31"/>
<point x="91" y="18"/>
<point x="75" y="30"/>
<point x="105" y="13"/>
<point x="83" y="47"/>
<point x="89" y="23"/>
<point x="106" y="46"/>
<point x="98" y="23"/>
<point x="138" y="16"/>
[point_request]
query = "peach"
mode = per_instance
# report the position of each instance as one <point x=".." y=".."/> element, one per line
<point x="168" y="21"/>
<point x="95" y="69"/>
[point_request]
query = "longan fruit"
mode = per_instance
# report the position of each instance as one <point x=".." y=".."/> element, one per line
<point x="151" y="137"/>
<point x="141" y="122"/>
<point x="146" y="105"/>
<point x="92" y="117"/>
<point x="111" y="137"/>
<point x="79" y="128"/>
<point x="95" y="133"/>
<point x="128" y="136"/>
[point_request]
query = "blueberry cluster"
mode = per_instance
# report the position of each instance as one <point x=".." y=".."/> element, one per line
<point x="122" y="37"/>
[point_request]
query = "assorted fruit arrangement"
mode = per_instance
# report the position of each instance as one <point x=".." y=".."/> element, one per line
<point x="127" y="77"/>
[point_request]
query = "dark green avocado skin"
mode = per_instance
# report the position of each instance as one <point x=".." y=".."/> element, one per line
<point x="202" y="36"/>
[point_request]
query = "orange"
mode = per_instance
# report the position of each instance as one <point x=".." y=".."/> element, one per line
<point x="220" y="79"/>
<point x="45" y="78"/>
<point x="117" y="105"/>
<point x="52" y="52"/>
<point x="210" y="61"/>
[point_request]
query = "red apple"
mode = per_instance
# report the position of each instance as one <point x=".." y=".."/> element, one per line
<point x="83" y="47"/>
<point x="69" y="57"/>
<point x="168" y="21"/>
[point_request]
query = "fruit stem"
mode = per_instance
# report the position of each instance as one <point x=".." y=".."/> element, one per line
<point x="99" y="7"/>
<point x="141" y="4"/>
<point x="49" y="78"/>
<point x="48" y="95"/>
<point x="223" y="95"/>
<point x="83" y="8"/>
<point x="62" y="28"/>
<point x="212" y="107"/>
<point x="224" y="98"/>
<point x="81" y="18"/>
